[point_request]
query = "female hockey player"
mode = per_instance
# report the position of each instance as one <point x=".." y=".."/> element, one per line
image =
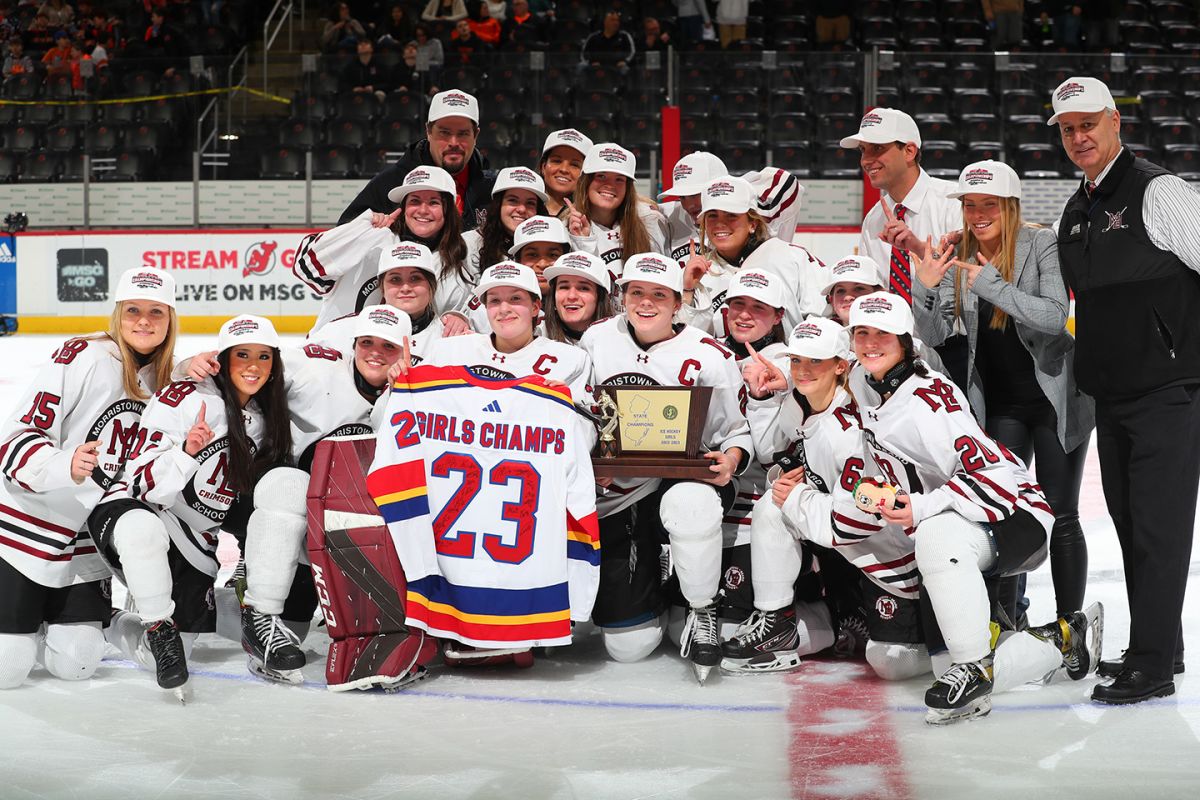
<point x="1004" y="285"/>
<point x="206" y="444"/>
<point x="537" y="243"/>
<point x="681" y="203"/>
<point x="68" y="439"/>
<point x="607" y="218"/>
<point x="518" y="194"/>
<point x="644" y="347"/>
<point x="580" y="292"/>
<point x="341" y="264"/>
<point x="560" y="166"/>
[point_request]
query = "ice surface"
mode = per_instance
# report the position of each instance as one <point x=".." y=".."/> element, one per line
<point x="579" y="726"/>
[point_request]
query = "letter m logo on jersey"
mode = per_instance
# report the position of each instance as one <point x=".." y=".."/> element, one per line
<point x="260" y="258"/>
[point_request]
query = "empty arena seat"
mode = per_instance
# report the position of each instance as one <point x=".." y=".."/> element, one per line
<point x="335" y="161"/>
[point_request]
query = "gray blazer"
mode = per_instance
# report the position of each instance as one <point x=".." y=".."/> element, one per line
<point x="1037" y="302"/>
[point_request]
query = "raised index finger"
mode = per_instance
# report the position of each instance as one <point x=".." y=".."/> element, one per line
<point x="887" y="212"/>
<point x="203" y="409"/>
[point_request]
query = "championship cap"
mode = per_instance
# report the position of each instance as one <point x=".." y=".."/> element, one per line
<point x="1087" y="95"/>
<point x="818" y="337"/>
<point x="508" y="273"/>
<point x="421" y="179"/>
<point x="855" y="269"/>
<point x="727" y="193"/>
<point x="988" y="177"/>
<point x="883" y="310"/>
<point x="610" y="157"/>
<point x="653" y="268"/>
<point x="757" y="285"/>
<point x="146" y="283"/>
<point x="568" y="137"/>
<point x="247" y="329"/>
<point x="580" y="264"/>
<point x="520" y="178"/>
<point x="883" y="126"/>
<point x="383" y="322"/>
<point x="406" y="254"/>
<point x="454" y="103"/>
<point x="538" y="229"/>
<point x="692" y="172"/>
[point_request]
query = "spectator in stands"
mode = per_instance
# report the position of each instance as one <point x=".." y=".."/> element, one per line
<point x="832" y="22"/>
<point x="451" y="134"/>
<point x="523" y="29"/>
<point x="1067" y="16"/>
<point x="731" y="20"/>
<point x="444" y="11"/>
<point x="484" y="25"/>
<point x="395" y="29"/>
<point x="1007" y="18"/>
<point x="96" y="51"/>
<point x="610" y="45"/>
<point x="58" y="13"/>
<point x="10" y="26"/>
<point x="364" y="75"/>
<point x="498" y="10"/>
<point x="693" y="20"/>
<point x="654" y="38"/>
<point x="39" y="37"/>
<point x="430" y="55"/>
<point x="406" y="77"/>
<point x="163" y="41"/>
<point x="466" y="43"/>
<point x="15" y="61"/>
<point x="342" y="32"/>
<point x="1100" y="23"/>
<point x="210" y="10"/>
<point x="58" y="58"/>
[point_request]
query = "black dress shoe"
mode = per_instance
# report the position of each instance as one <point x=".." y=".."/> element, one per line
<point x="1113" y="667"/>
<point x="1132" y="686"/>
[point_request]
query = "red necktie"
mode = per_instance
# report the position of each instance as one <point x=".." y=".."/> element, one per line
<point x="901" y="273"/>
<point x="1091" y="187"/>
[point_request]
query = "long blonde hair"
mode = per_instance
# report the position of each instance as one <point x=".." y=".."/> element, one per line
<point x="162" y="359"/>
<point x="634" y="237"/>
<point x="759" y="232"/>
<point x="1010" y="228"/>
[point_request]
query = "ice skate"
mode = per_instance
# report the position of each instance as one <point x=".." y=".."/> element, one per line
<point x="457" y="654"/>
<point x="700" y="641"/>
<point x="1079" y="637"/>
<point x="767" y="642"/>
<point x="170" y="662"/>
<point x="273" y="649"/>
<point x="964" y="692"/>
<point x="401" y="683"/>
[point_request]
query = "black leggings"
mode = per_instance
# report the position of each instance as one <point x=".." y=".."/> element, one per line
<point x="1032" y="436"/>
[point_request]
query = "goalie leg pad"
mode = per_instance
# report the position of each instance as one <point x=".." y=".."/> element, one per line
<point x="275" y="537"/>
<point x="385" y="660"/>
<point x="691" y="513"/>
<point x="73" y="651"/>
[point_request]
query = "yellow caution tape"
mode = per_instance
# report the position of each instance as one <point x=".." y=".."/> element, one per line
<point x="148" y="99"/>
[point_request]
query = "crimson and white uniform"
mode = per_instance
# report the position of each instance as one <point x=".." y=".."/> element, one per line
<point x="322" y="397"/>
<point x="342" y="265"/>
<point x="78" y="397"/>
<point x="339" y="335"/>
<point x="606" y="242"/>
<point x="752" y="483"/>
<point x="689" y="358"/>
<point x="681" y="231"/>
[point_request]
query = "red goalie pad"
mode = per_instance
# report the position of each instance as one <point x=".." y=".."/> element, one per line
<point x="357" y="574"/>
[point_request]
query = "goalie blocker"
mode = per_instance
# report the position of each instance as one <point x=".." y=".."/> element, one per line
<point x="357" y="573"/>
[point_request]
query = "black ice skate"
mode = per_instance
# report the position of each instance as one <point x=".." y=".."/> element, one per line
<point x="273" y="648"/>
<point x="767" y="642"/>
<point x="700" y="641"/>
<point x="170" y="662"/>
<point x="964" y="692"/>
<point x="1079" y="637"/>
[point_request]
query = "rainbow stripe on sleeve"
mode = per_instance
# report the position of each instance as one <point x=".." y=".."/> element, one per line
<point x="400" y="490"/>
<point x="583" y="539"/>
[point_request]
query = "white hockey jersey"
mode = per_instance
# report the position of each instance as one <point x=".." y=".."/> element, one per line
<point x="191" y="494"/>
<point x="606" y="242"/>
<point x="322" y="397"/>
<point x="490" y="500"/>
<point x="681" y="231"/>
<point x="689" y="358"/>
<point x="339" y="335"/>
<point x="77" y="397"/>
<point x="342" y="265"/>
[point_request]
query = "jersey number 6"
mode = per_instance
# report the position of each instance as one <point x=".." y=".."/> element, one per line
<point x="460" y="543"/>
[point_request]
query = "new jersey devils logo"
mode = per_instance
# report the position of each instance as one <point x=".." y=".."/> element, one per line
<point x="260" y="258"/>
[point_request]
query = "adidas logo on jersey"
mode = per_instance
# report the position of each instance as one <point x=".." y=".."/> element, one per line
<point x="6" y="254"/>
<point x="493" y="407"/>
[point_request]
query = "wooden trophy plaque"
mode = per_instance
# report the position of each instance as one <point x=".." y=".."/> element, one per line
<point x="652" y="432"/>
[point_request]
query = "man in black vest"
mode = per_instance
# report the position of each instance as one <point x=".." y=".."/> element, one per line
<point x="1130" y="251"/>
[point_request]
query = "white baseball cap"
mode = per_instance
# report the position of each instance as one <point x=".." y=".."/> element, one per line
<point x="884" y="126"/>
<point x="1088" y="95"/>
<point x="883" y="310"/>
<point x="538" y="229"/>
<point x="818" y="337"/>
<point x="692" y="172"/>
<point x="757" y="285"/>
<point x="423" y="178"/>
<point x="146" y="283"/>
<point x="520" y="178"/>
<point x="568" y="137"/>
<point x="454" y="103"/>
<point x="727" y="193"/>
<point x="988" y="177"/>
<point x="383" y="322"/>
<point x="653" y="268"/>
<point x="583" y="265"/>
<point x="610" y="157"/>
<point x="855" y="269"/>
<point x="508" y="273"/>
<point x="406" y="254"/>
<point x="247" y="329"/>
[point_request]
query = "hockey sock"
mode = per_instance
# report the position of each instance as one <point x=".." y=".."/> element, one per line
<point x="1023" y="658"/>
<point x="814" y="624"/>
<point x="141" y="541"/>
<point x="775" y="557"/>
<point x="691" y="513"/>
<point x="274" y="538"/>
<point x="952" y="552"/>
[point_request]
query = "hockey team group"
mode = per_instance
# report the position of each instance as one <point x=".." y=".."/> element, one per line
<point x="869" y="430"/>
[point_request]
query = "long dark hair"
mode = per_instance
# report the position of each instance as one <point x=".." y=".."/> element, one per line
<point x="247" y="464"/>
<point x="555" y="329"/>
<point x="911" y="357"/>
<point x="448" y="244"/>
<point x="497" y="239"/>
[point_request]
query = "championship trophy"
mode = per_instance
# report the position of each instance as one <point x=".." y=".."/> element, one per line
<point x="652" y="432"/>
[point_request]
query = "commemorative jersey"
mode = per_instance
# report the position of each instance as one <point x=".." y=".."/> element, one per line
<point x="689" y="358"/>
<point x="342" y="266"/>
<point x="490" y="499"/>
<point x="606" y="242"/>
<point x="339" y="335"/>
<point x="322" y="398"/>
<point x="802" y="273"/>
<point x="925" y="440"/>
<point x="78" y="397"/>
<point x="190" y="493"/>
